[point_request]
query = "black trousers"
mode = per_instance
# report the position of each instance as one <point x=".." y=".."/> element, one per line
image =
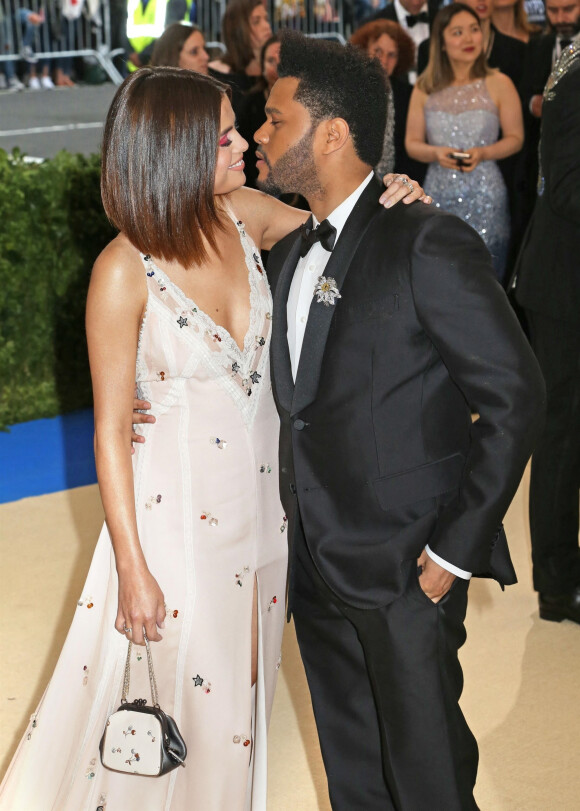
<point x="555" y="477"/>
<point x="385" y="685"/>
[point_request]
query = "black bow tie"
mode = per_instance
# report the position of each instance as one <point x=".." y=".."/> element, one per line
<point x="413" y="19"/>
<point x="325" y="233"/>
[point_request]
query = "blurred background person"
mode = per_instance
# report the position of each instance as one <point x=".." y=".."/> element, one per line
<point x="504" y="53"/>
<point x="548" y="287"/>
<point x="509" y="17"/>
<point x="415" y="17"/>
<point x="146" y="21"/>
<point x="252" y="115"/>
<point x="542" y="54"/>
<point x="245" y="29"/>
<point x="457" y="109"/>
<point x="386" y="41"/>
<point x="181" y="46"/>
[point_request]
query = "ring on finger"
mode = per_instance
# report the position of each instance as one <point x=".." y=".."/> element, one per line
<point x="127" y="630"/>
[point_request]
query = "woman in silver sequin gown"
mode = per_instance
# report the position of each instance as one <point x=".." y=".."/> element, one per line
<point x="457" y="111"/>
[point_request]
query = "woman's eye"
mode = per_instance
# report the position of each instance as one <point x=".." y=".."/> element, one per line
<point x="225" y="141"/>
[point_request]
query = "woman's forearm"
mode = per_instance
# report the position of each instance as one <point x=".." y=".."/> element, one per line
<point x="115" y="477"/>
<point x="421" y="151"/>
<point x="506" y="146"/>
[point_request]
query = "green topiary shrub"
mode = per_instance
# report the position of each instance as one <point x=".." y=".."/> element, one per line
<point x="52" y="228"/>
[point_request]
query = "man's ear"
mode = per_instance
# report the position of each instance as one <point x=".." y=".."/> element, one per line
<point x="336" y="133"/>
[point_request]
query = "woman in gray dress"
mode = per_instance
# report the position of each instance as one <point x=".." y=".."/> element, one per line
<point x="463" y="117"/>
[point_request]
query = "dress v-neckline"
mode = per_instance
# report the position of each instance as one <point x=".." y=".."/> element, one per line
<point x="218" y="328"/>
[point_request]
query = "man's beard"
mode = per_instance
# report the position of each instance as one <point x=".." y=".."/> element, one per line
<point x="567" y="30"/>
<point x="295" y="172"/>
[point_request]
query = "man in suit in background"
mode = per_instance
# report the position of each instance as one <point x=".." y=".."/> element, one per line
<point x="389" y="330"/>
<point x="415" y="17"/>
<point x="542" y="53"/>
<point x="548" y="287"/>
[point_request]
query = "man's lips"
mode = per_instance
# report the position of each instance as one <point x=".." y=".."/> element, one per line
<point x="261" y="158"/>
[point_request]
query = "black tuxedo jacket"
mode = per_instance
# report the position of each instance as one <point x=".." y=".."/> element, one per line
<point x="536" y="70"/>
<point x="548" y="269"/>
<point x="389" y="13"/>
<point x="537" y="67"/>
<point x="378" y="453"/>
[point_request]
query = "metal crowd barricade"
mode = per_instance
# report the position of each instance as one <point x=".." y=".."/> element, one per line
<point x="71" y="28"/>
<point x="74" y="28"/>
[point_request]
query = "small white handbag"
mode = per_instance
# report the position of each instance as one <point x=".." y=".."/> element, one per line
<point x="141" y="739"/>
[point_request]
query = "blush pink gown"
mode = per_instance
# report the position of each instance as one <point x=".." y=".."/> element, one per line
<point x="210" y="523"/>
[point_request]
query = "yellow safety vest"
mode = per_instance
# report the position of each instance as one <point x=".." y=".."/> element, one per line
<point x="144" y="26"/>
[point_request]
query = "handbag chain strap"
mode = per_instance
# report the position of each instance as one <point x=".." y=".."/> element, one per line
<point x="127" y="677"/>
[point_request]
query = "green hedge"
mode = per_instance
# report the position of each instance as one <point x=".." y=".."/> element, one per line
<point x="52" y="228"/>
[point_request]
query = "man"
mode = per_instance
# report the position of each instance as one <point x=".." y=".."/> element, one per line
<point x="542" y="53"/>
<point x="548" y="288"/>
<point x="414" y="16"/>
<point x="381" y="349"/>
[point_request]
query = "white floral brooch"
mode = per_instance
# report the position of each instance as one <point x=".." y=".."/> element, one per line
<point x="326" y="291"/>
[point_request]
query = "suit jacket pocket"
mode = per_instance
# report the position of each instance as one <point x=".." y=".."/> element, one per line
<point x="419" y="483"/>
<point x="372" y="309"/>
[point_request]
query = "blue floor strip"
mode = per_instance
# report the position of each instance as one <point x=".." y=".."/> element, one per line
<point x="45" y="456"/>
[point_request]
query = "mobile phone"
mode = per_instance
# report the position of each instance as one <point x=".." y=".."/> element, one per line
<point x="460" y="156"/>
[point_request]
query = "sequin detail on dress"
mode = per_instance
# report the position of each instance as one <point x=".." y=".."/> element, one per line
<point x="461" y="118"/>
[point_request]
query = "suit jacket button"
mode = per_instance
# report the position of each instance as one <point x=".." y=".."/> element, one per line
<point x="299" y="424"/>
<point x="293" y="488"/>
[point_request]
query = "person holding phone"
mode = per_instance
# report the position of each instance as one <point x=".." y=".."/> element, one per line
<point x="463" y="117"/>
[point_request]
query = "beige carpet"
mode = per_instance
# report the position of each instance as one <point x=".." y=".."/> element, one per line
<point x="522" y="695"/>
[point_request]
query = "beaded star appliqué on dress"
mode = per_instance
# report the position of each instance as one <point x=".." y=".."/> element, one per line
<point x="241" y="371"/>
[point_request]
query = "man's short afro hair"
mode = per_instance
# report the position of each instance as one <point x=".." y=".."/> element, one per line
<point x="338" y="81"/>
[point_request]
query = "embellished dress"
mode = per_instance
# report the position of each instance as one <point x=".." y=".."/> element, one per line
<point x="461" y="118"/>
<point x="210" y="525"/>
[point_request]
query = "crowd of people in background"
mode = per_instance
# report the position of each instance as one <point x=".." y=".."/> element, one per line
<point x="483" y="102"/>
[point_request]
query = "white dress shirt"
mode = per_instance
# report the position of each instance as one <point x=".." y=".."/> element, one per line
<point x="306" y="275"/>
<point x="418" y="32"/>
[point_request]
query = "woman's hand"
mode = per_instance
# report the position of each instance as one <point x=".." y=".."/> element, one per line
<point x="141" y="607"/>
<point x="476" y="156"/>
<point x="444" y="159"/>
<point x="401" y="187"/>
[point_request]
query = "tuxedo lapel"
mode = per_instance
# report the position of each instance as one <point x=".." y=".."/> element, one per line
<point x="281" y="366"/>
<point x="320" y="316"/>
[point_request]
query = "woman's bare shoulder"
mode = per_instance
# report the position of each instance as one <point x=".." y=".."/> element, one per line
<point x="499" y="84"/>
<point x="267" y="219"/>
<point x="119" y="265"/>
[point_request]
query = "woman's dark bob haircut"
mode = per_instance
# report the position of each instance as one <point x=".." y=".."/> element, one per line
<point x="159" y="157"/>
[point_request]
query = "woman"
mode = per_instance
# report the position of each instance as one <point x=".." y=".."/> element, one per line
<point x="245" y="29"/>
<point x="386" y="41"/>
<point x="198" y="536"/>
<point x="252" y="115"/>
<point x="457" y="110"/>
<point x="181" y="46"/>
<point x="510" y="18"/>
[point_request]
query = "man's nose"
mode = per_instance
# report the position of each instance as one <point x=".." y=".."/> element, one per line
<point x="259" y="136"/>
